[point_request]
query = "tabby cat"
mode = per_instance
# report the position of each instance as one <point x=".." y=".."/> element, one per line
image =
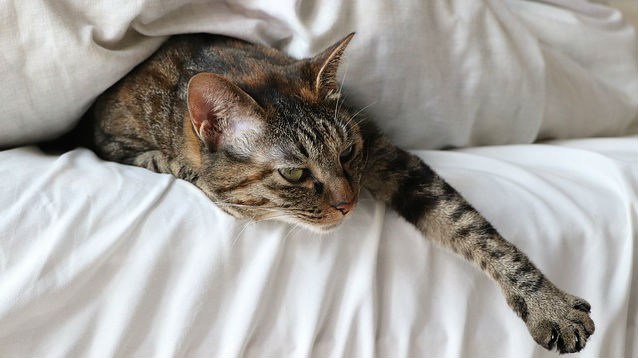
<point x="266" y="136"/>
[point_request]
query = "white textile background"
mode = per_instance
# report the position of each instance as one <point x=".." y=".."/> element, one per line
<point x="102" y="259"/>
<point x="435" y="73"/>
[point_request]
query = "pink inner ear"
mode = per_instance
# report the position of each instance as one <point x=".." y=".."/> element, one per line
<point x="205" y="125"/>
<point x="203" y="112"/>
<point x="208" y="132"/>
<point x="221" y="113"/>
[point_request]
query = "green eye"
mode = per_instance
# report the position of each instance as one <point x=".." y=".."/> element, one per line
<point x="292" y="174"/>
<point x="347" y="153"/>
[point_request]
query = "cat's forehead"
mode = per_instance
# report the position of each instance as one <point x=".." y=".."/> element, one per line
<point x="309" y="133"/>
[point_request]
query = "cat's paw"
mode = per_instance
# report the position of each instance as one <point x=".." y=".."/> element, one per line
<point x="560" y="321"/>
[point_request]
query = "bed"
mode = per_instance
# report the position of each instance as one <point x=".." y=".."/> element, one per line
<point x="103" y="259"/>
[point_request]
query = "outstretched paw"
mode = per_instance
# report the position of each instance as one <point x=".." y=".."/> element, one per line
<point x="560" y="321"/>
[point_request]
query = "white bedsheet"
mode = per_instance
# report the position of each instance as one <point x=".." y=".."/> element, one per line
<point x="101" y="259"/>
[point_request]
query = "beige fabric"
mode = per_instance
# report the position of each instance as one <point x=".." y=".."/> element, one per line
<point x="434" y="73"/>
<point x="629" y="9"/>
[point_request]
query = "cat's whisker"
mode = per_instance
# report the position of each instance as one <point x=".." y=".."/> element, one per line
<point x="236" y="238"/>
<point x="241" y="206"/>
<point x="275" y="208"/>
<point x="359" y="111"/>
<point x="266" y="218"/>
<point x="291" y="231"/>
<point x="343" y="80"/>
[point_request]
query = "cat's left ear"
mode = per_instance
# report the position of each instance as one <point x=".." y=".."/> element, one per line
<point x="222" y="114"/>
<point x="325" y="67"/>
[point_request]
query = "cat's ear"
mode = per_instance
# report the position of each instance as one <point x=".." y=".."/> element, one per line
<point x="326" y="65"/>
<point x="222" y="114"/>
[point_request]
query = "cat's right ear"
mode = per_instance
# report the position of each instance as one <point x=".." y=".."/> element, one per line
<point x="222" y="114"/>
<point x="325" y="66"/>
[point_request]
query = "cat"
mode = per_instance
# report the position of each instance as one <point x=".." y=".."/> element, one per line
<point x="266" y="136"/>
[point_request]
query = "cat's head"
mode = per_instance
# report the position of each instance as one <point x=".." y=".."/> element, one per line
<point x="278" y="143"/>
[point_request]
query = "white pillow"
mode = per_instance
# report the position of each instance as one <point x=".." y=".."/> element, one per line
<point x="434" y="73"/>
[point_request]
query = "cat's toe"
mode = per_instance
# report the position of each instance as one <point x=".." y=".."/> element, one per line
<point x="566" y="337"/>
<point x="570" y="340"/>
<point x="580" y="304"/>
<point x="546" y="334"/>
<point x="565" y="327"/>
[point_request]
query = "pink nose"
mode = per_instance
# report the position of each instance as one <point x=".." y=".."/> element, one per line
<point x="343" y="207"/>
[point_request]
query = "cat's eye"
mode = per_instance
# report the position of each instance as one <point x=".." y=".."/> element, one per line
<point x="347" y="153"/>
<point x="292" y="174"/>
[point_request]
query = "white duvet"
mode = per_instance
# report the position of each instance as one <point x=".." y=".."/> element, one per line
<point x="101" y="259"/>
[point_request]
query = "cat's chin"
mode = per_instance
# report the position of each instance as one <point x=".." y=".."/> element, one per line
<point x="323" y="229"/>
<point x="314" y="227"/>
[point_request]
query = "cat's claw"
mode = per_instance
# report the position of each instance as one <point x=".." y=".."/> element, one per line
<point x="583" y="306"/>
<point x="564" y="324"/>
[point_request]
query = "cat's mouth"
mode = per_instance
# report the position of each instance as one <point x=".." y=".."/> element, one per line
<point x="330" y="222"/>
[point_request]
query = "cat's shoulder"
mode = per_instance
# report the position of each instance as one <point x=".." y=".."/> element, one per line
<point x="223" y="47"/>
<point x="199" y="40"/>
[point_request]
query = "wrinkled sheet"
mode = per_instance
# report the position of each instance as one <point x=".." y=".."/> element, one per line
<point x="432" y="73"/>
<point x="102" y="259"/>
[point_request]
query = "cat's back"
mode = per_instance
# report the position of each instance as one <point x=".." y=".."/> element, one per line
<point x="161" y="81"/>
<point x="194" y="53"/>
<point x="146" y="108"/>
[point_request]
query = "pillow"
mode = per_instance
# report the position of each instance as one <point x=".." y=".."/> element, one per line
<point x="432" y="74"/>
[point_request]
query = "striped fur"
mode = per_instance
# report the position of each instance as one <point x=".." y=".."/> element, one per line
<point x="409" y="186"/>
<point x="231" y="132"/>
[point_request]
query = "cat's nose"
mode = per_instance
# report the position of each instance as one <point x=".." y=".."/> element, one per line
<point x="343" y="207"/>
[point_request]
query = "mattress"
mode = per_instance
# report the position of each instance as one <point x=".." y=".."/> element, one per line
<point x="102" y="259"/>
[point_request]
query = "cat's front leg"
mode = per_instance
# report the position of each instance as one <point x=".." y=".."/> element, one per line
<point x="153" y="160"/>
<point x="555" y="319"/>
<point x="158" y="162"/>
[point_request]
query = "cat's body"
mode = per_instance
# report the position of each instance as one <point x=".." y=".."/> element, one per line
<point x="266" y="137"/>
